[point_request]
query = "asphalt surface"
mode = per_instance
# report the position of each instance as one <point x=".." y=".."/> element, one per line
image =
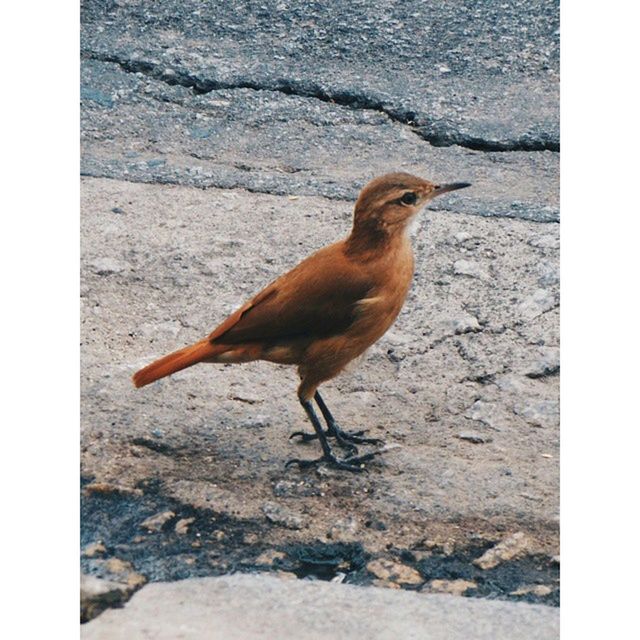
<point x="303" y="98"/>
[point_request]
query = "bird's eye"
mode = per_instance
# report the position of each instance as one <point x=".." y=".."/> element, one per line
<point x="409" y="198"/>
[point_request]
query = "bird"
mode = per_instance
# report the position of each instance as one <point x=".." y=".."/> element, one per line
<point x="326" y="311"/>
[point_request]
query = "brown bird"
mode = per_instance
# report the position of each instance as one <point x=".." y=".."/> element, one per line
<point x="327" y="310"/>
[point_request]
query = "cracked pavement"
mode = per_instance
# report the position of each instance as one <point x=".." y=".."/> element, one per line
<point x="221" y="146"/>
<point x="325" y="117"/>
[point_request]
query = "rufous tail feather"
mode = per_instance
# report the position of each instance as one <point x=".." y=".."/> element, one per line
<point x="176" y="361"/>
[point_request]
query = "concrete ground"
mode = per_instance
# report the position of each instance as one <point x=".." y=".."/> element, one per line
<point x="465" y="383"/>
<point x="221" y="147"/>
<point x="248" y="607"/>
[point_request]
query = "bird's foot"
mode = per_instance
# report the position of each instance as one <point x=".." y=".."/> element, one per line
<point x="351" y="449"/>
<point x="345" y="439"/>
<point x="352" y="437"/>
<point x="355" y="464"/>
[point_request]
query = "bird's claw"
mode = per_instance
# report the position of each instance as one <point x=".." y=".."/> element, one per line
<point x="342" y="442"/>
<point x="354" y="437"/>
<point x="304" y="437"/>
<point x="354" y="464"/>
<point x="345" y="439"/>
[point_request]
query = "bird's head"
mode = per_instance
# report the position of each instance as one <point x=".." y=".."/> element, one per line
<point x="389" y="202"/>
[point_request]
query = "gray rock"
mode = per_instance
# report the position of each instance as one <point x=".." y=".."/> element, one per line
<point x="545" y="362"/>
<point x="545" y="241"/>
<point x="464" y="323"/>
<point x="256" y="422"/>
<point x="97" y="594"/>
<point x="462" y="236"/>
<point x="540" y="301"/>
<point x="149" y="330"/>
<point x="473" y="437"/>
<point x="539" y="413"/>
<point x="283" y="517"/>
<point x="472" y="269"/>
<point x="246" y="607"/>
<point x="483" y="411"/>
<point x="512" y="383"/>
<point x="107" y="266"/>
<point x="549" y="274"/>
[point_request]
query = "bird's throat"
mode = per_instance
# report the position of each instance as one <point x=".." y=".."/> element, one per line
<point x="370" y="240"/>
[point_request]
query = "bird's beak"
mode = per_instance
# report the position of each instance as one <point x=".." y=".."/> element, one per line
<point x="452" y="186"/>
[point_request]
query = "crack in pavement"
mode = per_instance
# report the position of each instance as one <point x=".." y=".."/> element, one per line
<point x="432" y="207"/>
<point x="231" y="184"/>
<point x="305" y="89"/>
<point x="176" y="181"/>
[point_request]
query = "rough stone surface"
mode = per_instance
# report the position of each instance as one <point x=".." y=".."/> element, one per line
<point x="98" y="594"/>
<point x="470" y="268"/>
<point x="282" y="516"/>
<point x="221" y="145"/>
<point x="347" y="529"/>
<point x="248" y="607"/>
<point x="537" y="589"/>
<point x="157" y="521"/>
<point x="473" y="437"/>
<point x="95" y="549"/>
<point x="182" y="526"/>
<point x="385" y="569"/>
<point x="454" y="587"/>
<point x="269" y="557"/>
<point x="539" y="413"/>
<point x="121" y="571"/>
<point x="511" y="547"/>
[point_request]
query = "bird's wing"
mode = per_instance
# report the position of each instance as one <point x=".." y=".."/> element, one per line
<point x="317" y="298"/>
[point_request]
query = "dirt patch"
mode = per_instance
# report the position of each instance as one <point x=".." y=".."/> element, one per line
<point x="190" y="542"/>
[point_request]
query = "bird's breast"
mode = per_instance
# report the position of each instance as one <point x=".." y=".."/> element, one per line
<point x="378" y="310"/>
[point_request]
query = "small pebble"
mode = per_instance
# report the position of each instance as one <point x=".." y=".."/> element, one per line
<point x="182" y="526"/>
<point x="389" y="570"/>
<point x="474" y="438"/>
<point x="508" y="549"/>
<point x="156" y="522"/>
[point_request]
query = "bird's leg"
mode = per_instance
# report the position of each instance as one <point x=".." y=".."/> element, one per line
<point x="345" y="439"/>
<point x="354" y="464"/>
<point x="333" y="430"/>
<point x="342" y="437"/>
<point x="307" y="437"/>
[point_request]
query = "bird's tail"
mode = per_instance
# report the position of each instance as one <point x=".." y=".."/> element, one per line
<point x="176" y="361"/>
